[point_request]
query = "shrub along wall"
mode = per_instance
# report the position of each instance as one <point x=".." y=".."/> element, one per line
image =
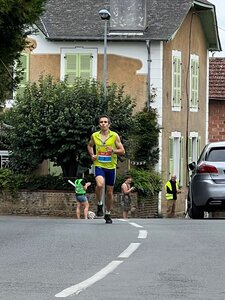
<point x="62" y="204"/>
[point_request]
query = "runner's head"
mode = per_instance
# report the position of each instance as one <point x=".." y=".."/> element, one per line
<point x="104" y="122"/>
<point x="103" y="117"/>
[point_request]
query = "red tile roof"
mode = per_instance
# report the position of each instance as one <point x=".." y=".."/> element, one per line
<point x="217" y="78"/>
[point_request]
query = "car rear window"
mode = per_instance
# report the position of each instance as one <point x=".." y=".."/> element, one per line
<point x="216" y="154"/>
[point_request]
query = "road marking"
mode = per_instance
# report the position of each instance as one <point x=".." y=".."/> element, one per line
<point x="130" y="249"/>
<point x="78" y="288"/>
<point x="142" y="234"/>
<point x="135" y="225"/>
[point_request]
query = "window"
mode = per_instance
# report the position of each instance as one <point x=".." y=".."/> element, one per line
<point x="194" y="148"/>
<point x="77" y="65"/>
<point x="216" y="154"/>
<point x="79" y="62"/>
<point x="24" y="70"/>
<point x="194" y="83"/>
<point x="176" y="80"/>
<point x="176" y="159"/>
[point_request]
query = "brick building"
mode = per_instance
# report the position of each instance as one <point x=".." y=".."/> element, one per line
<point x="216" y="99"/>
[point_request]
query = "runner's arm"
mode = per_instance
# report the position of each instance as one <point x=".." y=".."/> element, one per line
<point x="90" y="148"/>
<point x="119" y="147"/>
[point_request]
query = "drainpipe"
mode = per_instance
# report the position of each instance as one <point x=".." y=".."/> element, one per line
<point x="148" y="44"/>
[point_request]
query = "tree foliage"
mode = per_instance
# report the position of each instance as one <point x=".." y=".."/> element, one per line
<point x="16" y="19"/>
<point x="53" y="120"/>
<point x="143" y="142"/>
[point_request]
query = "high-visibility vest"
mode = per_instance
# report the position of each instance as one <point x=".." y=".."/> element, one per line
<point x="169" y="185"/>
<point x="105" y="159"/>
<point x="79" y="188"/>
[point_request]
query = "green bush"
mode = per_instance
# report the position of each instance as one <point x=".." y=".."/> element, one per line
<point x="146" y="182"/>
<point x="13" y="182"/>
<point x="9" y="181"/>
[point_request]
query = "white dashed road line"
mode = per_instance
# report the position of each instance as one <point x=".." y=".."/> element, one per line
<point x="130" y="249"/>
<point x="142" y="234"/>
<point x="135" y="225"/>
<point x="76" y="289"/>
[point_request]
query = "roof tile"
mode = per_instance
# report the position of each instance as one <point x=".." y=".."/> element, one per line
<point x="217" y="78"/>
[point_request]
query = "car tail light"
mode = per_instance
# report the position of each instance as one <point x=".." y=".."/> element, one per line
<point x="206" y="169"/>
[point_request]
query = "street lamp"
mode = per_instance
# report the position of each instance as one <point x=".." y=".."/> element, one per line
<point x="105" y="15"/>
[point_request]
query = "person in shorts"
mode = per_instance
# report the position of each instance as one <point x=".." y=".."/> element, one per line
<point x="80" y="193"/>
<point x="107" y="146"/>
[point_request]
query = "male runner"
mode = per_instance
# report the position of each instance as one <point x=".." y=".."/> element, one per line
<point x="108" y="145"/>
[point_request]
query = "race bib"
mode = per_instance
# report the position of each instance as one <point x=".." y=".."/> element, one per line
<point x="104" y="157"/>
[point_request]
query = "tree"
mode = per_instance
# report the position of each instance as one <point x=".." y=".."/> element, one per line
<point x="53" y="120"/>
<point x="143" y="144"/>
<point x="16" y="19"/>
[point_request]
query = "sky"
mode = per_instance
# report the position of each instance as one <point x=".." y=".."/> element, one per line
<point x="220" y="14"/>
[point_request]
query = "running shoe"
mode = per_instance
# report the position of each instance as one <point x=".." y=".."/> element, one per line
<point x="108" y="219"/>
<point x="99" y="212"/>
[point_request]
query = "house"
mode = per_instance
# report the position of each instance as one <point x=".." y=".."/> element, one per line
<point x="162" y="44"/>
<point x="216" y="99"/>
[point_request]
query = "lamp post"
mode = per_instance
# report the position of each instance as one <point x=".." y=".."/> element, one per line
<point x="105" y="15"/>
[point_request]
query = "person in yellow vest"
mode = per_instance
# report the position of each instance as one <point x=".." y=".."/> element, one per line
<point x="80" y="193"/>
<point x="107" y="146"/>
<point x="172" y="189"/>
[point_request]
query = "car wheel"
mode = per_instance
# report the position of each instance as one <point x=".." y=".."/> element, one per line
<point x="196" y="212"/>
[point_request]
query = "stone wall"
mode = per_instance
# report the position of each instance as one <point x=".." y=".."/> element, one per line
<point x="62" y="204"/>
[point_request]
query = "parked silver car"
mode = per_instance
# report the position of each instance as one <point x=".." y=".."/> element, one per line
<point x="207" y="187"/>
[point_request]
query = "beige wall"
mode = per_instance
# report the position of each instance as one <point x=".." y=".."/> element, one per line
<point x="44" y="64"/>
<point x="123" y="70"/>
<point x="178" y="121"/>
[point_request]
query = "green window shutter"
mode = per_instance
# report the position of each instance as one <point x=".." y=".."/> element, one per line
<point x="181" y="179"/>
<point x="78" y="65"/>
<point x="194" y="82"/>
<point x="85" y="66"/>
<point x="176" y="81"/>
<point x="71" y="67"/>
<point x="171" y="155"/>
<point x="190" y="148"/>
<point x="199" y="146"/>
<point x="24" y="69"/>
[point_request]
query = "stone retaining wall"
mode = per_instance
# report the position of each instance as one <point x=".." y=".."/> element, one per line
<point x="62" y="204"/>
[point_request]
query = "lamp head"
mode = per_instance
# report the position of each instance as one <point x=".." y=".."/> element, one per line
<point x="104" y="14"/>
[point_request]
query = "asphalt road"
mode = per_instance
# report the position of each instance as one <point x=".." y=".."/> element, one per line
<point x="50" y="258"/>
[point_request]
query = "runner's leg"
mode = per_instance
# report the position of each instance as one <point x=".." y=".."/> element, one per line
<point x="99" y="187"/>
<point x="109" y="197"/>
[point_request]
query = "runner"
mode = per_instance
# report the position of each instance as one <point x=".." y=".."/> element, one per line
<point x="108" y="145"/>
